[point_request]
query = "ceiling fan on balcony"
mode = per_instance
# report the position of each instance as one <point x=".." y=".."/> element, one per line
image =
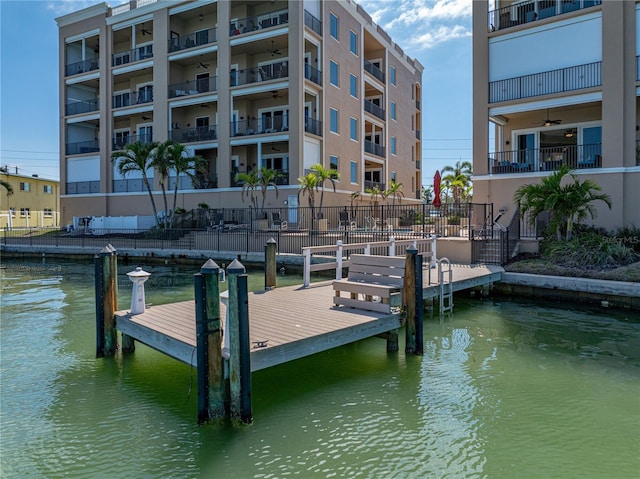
<point x="202" y="65"/>
<point x="549" y="122"/>
<point x="274" y="51"/>
<point x="275" y="94"/>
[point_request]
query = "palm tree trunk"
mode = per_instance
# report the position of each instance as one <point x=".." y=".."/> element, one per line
<point x="153" y="202"/>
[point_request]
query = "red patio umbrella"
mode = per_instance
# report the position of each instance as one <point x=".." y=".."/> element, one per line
<point x="436" y="190"/>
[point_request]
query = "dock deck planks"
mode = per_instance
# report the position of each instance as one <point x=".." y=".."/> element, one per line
<point x="294" y="321"/>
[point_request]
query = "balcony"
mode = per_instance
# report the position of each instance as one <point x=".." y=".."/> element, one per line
<point x="82" y="187"/>
<point x="374" y="109"/>
<point x="258" y="22"/>
<point x="272" y="71"/>
<point x="532" y="10"/>
<point x="193" y="87"/>
<point x="259" y="126"/>
<point x="313" y="126"/>
<point x="82" y="147"/>
<point x="370" y="185"/>
<point x="192" y="135"/>
<point x="374" y="148"/>
<point x="128" y="185"/>
<point x="81" y="67"/>
<point x="130" y="56"/>
<point x="120" y="100"/>
<point x="312" y="74"/>
<point x="417" y="104"/>
<point x="313" y="23"/>
<point x="545" y="83"/>
<point x="191" y="40"/>
<point x="78" y="107"/>
<point x="122" y="140"/>
<point x="373" y="70"/>
<point x="547" y="159"/>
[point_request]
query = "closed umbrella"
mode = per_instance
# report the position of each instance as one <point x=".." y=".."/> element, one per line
<point x="436" y="190"/>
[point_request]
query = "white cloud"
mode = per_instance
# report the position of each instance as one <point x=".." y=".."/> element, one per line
<point x="62" y="7"/>
<point x="442" y="34"/>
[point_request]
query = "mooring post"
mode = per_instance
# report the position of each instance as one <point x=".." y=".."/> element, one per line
<point x="339" y="259"/>
<point x="106" y="291"/>
<point x="239" y="350"/>
<point x="270" y="264"/>
<point x="412" y="293"/>
<point x="211" y="385"/>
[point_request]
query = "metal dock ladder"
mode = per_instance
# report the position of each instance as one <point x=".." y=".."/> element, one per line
<point x="446" y="288"/>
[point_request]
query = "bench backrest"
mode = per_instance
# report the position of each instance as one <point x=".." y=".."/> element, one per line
<point x="388" y="270"/>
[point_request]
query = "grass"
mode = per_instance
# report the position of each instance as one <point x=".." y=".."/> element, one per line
<point x="629" y="272"/>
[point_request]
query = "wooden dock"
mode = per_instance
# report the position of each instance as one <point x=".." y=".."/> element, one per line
<point x="291" y="322"/>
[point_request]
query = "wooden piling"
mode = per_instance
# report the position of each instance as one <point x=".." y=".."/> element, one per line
<point x="211" y="383"/>
<point x="106" y="292"/>
<point x="239" y="361"/>
<point x="412" y="294"/>
<point x="270" y="264"/>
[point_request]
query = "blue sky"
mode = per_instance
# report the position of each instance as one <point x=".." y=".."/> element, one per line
<point x="436" y="32"/>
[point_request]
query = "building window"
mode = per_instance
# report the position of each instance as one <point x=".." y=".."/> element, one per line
<point x="353" y="42"/>
<point x="393" y="176"/>
<point x="48" y="189"/>
<point x="354" y="172"/>
<point x="334" y="73"/>
<point x="393" y="145"/>
<point x="12" y="211"/>
<point x="392" y="74"/>
<point x="333" y="26"/>
<point x="334" y="126"/>
<point x="48" y="212"/>
<point x="334" y="164"/>
<point x="353" y="129"/>
<point x="24" y="186"/>
<point x="353" y="85"/>
<point x="24" y="212"/>
<point x="393" y="110"/>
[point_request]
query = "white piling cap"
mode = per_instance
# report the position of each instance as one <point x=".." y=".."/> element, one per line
<point x="138" y="273"/>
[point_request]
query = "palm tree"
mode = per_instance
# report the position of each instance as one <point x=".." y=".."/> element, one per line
<point x="251" y="182"/>
<point x="395" y="191"/>
<point x="458" y="178"/>
<point x="266" y="178"/>
<point x="161" y="162"/>
<point x="353" y="197"/>
<point x="324" y="174"/>
<point x="427" y="193"/>
<point x="7" y="187"/>
<point x="309" y="184"/>
<point x="137" y="157"/>
<point x="562" y="194"/>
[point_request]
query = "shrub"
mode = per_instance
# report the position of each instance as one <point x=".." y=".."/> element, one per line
<point x="453" y="220"/>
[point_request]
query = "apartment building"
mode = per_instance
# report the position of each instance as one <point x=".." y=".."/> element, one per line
<point x="31" y="202"/>
<point x="557" y="82"/>
<point x="243" y="84"/>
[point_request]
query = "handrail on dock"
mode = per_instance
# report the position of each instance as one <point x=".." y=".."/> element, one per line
<point x="337" y="251"/>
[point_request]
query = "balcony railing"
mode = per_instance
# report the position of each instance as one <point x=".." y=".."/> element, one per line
<point x="123" y="140"/>
<point x="417" y="134"/>
<point x="82" y="147"/>
<point x="81" y="67"/>
<point x="196" y="39"/>
<point x="417" y="104"/>
<point x="200" y="182"/>
<point x="313" y="23"/>
<point x="417" y="164"/>
<point x="370" y="185"/>
<point x="77" y="107"/>
<point x="374" y="109"/>
<point x="259" y="126"/>
<point x="546" y="159"/>
<point x="82" y="187"/>
<point x="374" y="148"/>
<point x="532" y="10"/>
<point x="272" y="71"/>
<point x="313" y="126"/>
<point x="258" y="22"/>
<point x="128" y="185"/>
<point x="282" y="178"/>
<point x="313" y="74"/>
<point x="193" y="87"/>
<point x="120" y="100"/>
<point x="374" y="70"/>
<point x="129" y="56"/>
<point x="191" y="135"/>
<point x="545" y="83"/>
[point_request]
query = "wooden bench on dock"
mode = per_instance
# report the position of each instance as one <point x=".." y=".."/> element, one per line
<point x="374" y="283"/>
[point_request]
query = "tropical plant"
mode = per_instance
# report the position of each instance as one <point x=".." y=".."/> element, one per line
<point x="427" y="193"/>
<point x="324" y="175"/>
<point x="309" y="184"/>
<point x="568" y="199"/>
<point x="352" y="198"/>
<point x="457" y="179"/>
<point x="137" y="157"/>
<point x="395" y="192"/>
<point x="161" y="162"/>
<point x="7" y="187"/>
<point x="375" y="193"/>
<point x="266" y="178"/>
<point x="250" y="183"/>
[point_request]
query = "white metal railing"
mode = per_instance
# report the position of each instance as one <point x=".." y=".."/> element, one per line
<point x="332" y="255"/>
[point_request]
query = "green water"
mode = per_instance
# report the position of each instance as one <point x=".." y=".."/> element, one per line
<point x="504" y="390"/>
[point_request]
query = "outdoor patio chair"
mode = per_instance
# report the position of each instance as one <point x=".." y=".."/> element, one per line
<point x="277" y="222"/>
